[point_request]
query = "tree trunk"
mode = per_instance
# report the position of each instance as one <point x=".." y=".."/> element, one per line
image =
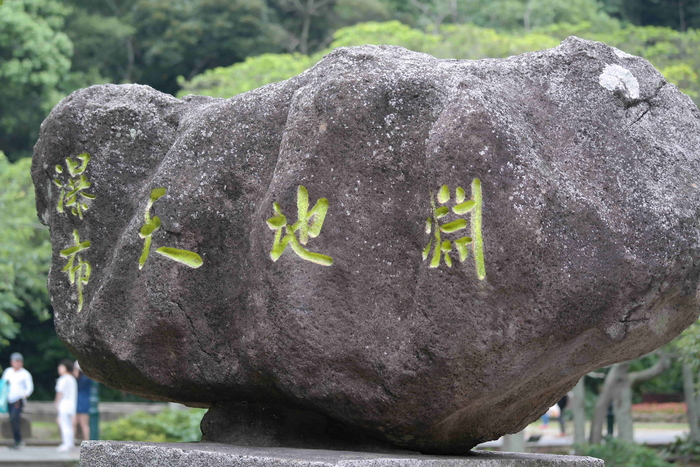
<point x="691" y="401"/>
<point x="130" y="59"/>
<point x="618" y="388"/>
<point x="579" y="410"/>
<point x="623" y="402"/>
<point x="306" y="26"/>
<point x="526" y="16"/>
<point x="610" y="387"/>
<point x="454" y="13"/>
<point x="437" y="15"/>
<point x="681" y="15"/>
<point x="623" y="411"/>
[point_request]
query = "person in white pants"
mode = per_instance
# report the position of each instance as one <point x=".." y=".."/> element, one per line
<point x="66" y="402"/>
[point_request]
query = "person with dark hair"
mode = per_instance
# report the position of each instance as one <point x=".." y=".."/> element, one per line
<point x="21" y="387"/>
<point x="66" y="401"/>
<point x="82" y="416"/>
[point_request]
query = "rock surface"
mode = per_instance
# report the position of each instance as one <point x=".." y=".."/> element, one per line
<point x="279" y="247"/>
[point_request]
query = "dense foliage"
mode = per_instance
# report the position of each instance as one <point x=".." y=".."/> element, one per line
<point x="25" y="250"/>
<point x="618" y="453"/>
<point x="683" y="449"/>
<point x="671" y="383"/>
<point x="166" y="426"/>
<point x="677" y="14"/>
<point x="688" y="345"/>
<point x="49" y="48"/>
<point x="42" y="351"/>
<point x="34" y="65"/>
<point x="675" y="54"/>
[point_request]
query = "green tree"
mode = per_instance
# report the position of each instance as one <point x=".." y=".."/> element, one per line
<point x="510" y="15"/>
<point x="619" y="453"/>
<point x="349" y="12"/>
<point x="617" y="389"/>
<point x="454" y="41"/>
<point x="677" y="14"/>
<point x="250" y="74"/>
<point x="306" y="24"/>
<point x="392" y="32"/>
<point x="34" y="68"/>
<point x="184" y="38"/>
<point x="154" y="41"/>
<point x="474" y="42"/>
<point x="676" y="54"/>
<point x="688" y="346"/>
<point x="166" y="426"/>
<point x="269" y="68"/>
<point x="25" y="250"/>
<point x="431" y="14"/>
<point x="103" y="46"/>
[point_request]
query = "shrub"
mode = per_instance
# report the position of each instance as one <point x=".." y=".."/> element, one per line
<point x="166" y="426"/>
<point x="617" y="453"/>
<point x="684" y="449"/>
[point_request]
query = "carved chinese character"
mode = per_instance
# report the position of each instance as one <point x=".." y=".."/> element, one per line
<point x="442" y="249"/>
<point x="78" y="270"/>
<point x="152" y="224"/>
<point x="71" y="194"/>
<point x="308" y="225"/>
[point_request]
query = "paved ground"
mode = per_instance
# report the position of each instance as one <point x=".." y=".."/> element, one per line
<point x="31" y="456"/>
<point x="551" y="437"/>
<point x="47" y="456"/>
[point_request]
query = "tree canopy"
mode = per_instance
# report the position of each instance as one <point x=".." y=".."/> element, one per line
<point x="676" y="14"/>
<point x="49" y="48"/>
<point x="35" y="60"/>
<point x="676" y="54"/>
<point x="25" y="250"/>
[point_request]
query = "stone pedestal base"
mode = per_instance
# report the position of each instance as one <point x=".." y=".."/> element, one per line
<point x="134" y="454"/>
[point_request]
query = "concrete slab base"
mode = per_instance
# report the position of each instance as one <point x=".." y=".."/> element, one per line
<point x="136" y="454"/>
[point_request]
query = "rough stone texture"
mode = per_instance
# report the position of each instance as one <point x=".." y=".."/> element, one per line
<point x="134" y="454"/>
<point x="273" y="425"/>
<point x="589" y="169"/>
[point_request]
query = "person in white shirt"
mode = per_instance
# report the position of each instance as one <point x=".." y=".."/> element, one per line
<point x="66" y="402"/>
<point x="21" y="387"/>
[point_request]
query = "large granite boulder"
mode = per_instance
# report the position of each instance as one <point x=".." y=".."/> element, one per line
<point x="429" y="252"/>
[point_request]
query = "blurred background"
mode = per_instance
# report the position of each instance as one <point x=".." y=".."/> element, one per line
<point x="49" y="48"/>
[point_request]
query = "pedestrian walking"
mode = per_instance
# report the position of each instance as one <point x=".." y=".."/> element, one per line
<point x="21" y="387"/>
<point x="66" y="401"/>
<point x="82" y="416"/>
<point x="562" y="420"/>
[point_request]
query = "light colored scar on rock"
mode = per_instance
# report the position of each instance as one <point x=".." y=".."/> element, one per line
<point x="616" y="78"/>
